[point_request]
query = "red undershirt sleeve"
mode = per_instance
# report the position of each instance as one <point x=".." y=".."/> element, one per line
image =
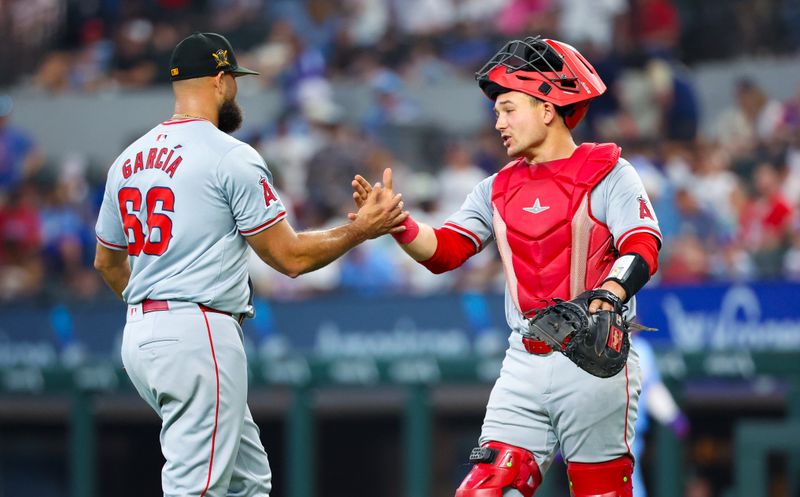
<point x="452" y="250"/>
<point x="644" y="244"/>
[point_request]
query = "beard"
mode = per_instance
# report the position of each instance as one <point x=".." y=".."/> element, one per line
<point x="230" y="116"/>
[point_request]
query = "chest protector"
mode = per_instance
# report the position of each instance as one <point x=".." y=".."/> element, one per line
<point x="550" y="244"/>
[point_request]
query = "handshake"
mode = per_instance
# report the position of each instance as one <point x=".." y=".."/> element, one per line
<point x="379" y="208"/>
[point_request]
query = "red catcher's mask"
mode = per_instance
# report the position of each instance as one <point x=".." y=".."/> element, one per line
<point x="546" y="69"/>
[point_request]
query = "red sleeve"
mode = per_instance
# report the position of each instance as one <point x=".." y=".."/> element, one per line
<point x="452" y="250"/>
<point x="645" y="245"/>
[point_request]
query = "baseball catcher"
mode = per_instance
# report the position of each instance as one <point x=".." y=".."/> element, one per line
<point x="578" y="239"/>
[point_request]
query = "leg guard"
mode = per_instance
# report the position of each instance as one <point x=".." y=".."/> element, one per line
<point x="603" y="479"/>
<point x="498" y="466"/>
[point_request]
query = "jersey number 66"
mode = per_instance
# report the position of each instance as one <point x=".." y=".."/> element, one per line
<point x="130" y="204"/>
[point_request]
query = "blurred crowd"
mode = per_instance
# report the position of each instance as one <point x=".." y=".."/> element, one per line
<point x="68" y="46"/>
<point x="727" y="200"/>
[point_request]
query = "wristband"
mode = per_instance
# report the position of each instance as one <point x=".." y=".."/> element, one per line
<point x="631" y="271"/>
<point x="410" y="234"/>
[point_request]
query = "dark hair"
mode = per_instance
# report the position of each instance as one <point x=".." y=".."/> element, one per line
<point x="562" y="111"/>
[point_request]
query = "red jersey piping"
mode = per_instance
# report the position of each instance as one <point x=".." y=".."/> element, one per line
<point x="253" y="231"/>
<point x="643" y="229"/>
<point x="465" y="232"/>
<point x="111" y="245"/>
<point x="182" y="121"/>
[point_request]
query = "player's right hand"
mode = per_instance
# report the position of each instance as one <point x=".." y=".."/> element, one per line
<point x="381" y="210"/>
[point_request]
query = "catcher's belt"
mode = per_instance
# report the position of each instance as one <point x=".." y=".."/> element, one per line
<point x="533" y="346"/>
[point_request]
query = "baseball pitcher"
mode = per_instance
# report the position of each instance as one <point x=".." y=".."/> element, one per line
<point x="182" y="204"/>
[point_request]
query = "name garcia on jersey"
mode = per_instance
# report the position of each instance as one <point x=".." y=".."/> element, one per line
<point x="157" y="158"/>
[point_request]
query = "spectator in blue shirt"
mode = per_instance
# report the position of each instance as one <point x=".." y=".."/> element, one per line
<point x="19" y="155"/>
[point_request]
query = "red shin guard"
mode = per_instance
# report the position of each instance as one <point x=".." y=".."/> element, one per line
<point x="603" y="479"/>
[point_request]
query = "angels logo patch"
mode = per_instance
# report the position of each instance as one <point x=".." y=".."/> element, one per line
<point x="269" y="195"/>
<point x="644" y="209"/>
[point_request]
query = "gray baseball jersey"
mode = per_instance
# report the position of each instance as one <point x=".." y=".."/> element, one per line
<point x="545" y="402"/>
<point x="179" y="200"/>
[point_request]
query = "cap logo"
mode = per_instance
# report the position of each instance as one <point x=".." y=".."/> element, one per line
<point x="174" y="71"/>
<point x="221" y="56"/>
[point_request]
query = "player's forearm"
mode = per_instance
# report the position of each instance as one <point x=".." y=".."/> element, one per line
<point x="116" y="277"/>
<point x="439" y="250"/>
<point x="632" y="270"/>
<point x="113" y="266"/>
<point x="423" y="246"/>
<point x="316" y="249"/>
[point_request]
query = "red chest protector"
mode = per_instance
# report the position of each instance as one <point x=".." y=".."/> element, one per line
<point x="550" y="244"/>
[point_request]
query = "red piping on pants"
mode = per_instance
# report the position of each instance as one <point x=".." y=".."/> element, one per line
<point x="216" y="407"/>
<point x="627" y="404"/>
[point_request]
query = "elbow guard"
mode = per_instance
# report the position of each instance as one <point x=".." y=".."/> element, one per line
<point x="631" y="271"/>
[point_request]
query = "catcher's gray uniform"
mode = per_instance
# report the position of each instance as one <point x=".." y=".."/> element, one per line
<point x="543" y="402"/>
<point x="180" y="200"/>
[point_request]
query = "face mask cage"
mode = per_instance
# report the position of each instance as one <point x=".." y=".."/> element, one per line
<point x="532" y="54"/>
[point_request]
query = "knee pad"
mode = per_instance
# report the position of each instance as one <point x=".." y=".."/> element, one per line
<point x="498" y="466"/>
<point x="602" y="479"/>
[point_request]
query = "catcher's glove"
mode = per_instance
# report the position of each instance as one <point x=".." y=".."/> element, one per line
<point x="598" y="343"/>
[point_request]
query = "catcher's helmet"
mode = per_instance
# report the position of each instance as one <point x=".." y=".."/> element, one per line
<point x="546" y="69"/>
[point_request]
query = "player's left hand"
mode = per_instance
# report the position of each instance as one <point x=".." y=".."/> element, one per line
<point x="613" y="287"/>
<point x="597" y="343"/>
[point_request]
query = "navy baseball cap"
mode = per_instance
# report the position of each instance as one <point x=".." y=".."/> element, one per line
<point x="204" y="54"/>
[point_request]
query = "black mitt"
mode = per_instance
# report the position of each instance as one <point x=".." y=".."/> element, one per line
<point x="598" y="343"/>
